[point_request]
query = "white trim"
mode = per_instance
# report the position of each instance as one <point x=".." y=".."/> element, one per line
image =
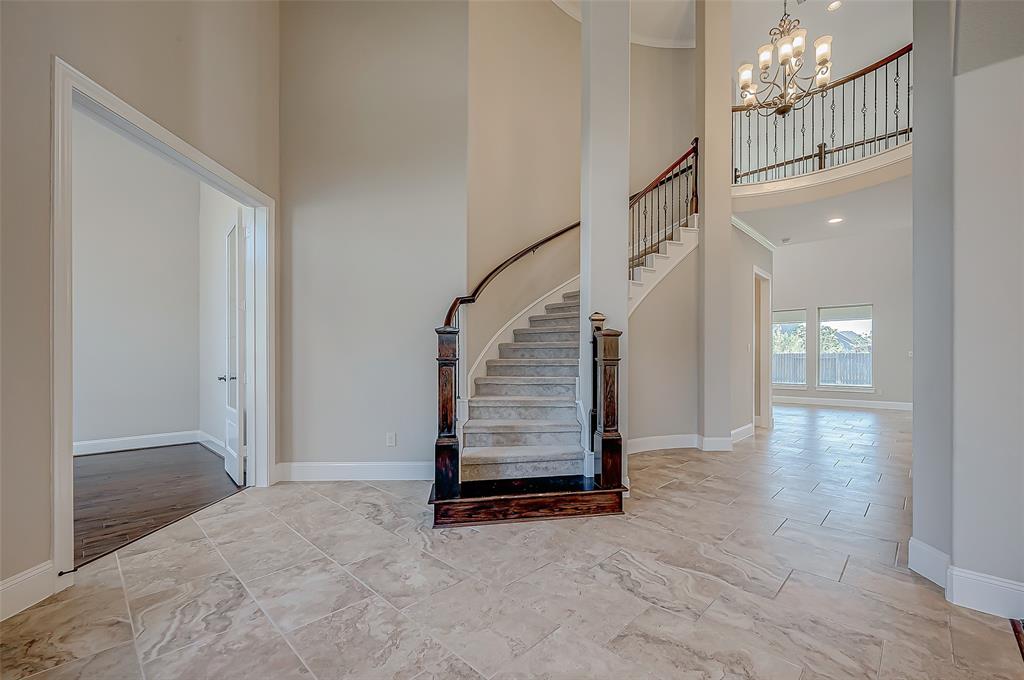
<point x="142" y="441"/>
<point x="714" y="443"/>
<point x="71" y="88"/>
<point x="853" y="389"/>
<point x="989" y="594"/>
<point x="678" y="441"/>
<point x="874" y="163"/>
<point x="927" y="561"/>
<point x="490" y="350"/>
<point x="789" y="386"/>
<point x="852" y="403"/>
<point x="741" y="433"/>
<point x="21" y="591"/>
<point x="753" y="233"/>
<point x="668" y="441"/>
<point x="376" y="470"/>
<point x="762" y="421"/>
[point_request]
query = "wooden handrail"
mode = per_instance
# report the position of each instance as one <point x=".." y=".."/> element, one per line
<point x="635" y="198"/>
<point x="447" y="483"/>
<point x="453" y="309"/>
<point x="449" y="318"/>
<point x="853" y="76"/>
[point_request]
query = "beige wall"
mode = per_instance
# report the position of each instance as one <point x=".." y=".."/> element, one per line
<point x="207" y="72"/>
<point x="746" y="254"/>
<point x="988" y="304"/>
<point x="373" y="225"/>
<point x="524" y="147"/>
<point x="524" y="155"/>
<point x="661" y="112"/>
<point x="873" y="268"/>
<point x="135" y="216"/>
<point x="663" y="356"/>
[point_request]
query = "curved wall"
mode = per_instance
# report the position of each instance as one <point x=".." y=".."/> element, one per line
<point x="815" y="186"/>
<point x="524" y="147"/>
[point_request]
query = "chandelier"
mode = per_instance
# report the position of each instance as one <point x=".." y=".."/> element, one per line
<point x="788" y="88"/>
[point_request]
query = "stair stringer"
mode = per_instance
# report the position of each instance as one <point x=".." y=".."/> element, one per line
<point x="686" y="241"/>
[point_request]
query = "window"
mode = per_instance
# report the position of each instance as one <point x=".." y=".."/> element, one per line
<point x="789" y="347"/>
<point x="844" y="346"/>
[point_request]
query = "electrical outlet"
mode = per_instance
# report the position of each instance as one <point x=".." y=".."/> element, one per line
<point x="391" y="439"/>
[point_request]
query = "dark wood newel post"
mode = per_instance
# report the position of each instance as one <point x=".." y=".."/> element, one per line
<point x="446" y="448"/>
<point x="607" y="442"/>
<point x="694" y="201"/>
<point x="597" y="320"/>
<point x="821" y="156"/>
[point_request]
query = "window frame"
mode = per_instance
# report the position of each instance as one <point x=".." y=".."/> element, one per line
<point x="791" y="386"/>
<point x="826" y="387"/>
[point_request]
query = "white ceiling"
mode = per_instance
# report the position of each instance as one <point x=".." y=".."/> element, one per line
<point x="655" y="23"/>
<point x="882" y="207"/>
<point x="863" y="31"/>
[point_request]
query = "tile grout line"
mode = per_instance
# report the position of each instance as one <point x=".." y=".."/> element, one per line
<point x="248" y="592"/>
<point x="131" y="619"/>
<point x="373" y="592"/>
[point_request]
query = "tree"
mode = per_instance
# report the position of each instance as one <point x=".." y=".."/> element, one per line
<point x="829" y="343"/>
<point x="789" y="338"/>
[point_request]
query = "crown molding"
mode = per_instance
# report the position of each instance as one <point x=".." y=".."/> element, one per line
<point x="752" y="233"/>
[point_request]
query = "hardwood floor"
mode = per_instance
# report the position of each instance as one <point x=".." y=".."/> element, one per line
<point x="122" y="496"/>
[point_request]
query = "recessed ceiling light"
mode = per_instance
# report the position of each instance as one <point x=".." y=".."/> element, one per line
<point x="834" y="5"/>
<point x="835" y="220"/>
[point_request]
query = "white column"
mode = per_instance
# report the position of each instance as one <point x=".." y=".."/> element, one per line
<point x="604" y="186"/>
<point x="932" y="544"/>
<point x="714" y="101"/>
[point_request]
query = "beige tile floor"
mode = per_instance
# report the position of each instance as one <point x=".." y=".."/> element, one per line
<point x="785" y="558"/>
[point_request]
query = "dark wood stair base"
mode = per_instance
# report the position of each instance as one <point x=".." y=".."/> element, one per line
<point x="518" y="500"/>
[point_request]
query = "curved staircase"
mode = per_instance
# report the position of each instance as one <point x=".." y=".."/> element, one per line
<point x="523" y="420"/>
<point x="520" y="453"/>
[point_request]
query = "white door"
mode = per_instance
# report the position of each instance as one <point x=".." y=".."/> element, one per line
<point x="234" y="373"/>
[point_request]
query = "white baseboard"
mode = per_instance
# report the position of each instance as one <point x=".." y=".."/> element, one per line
<point x="927" y="561"/>
<point x="214" y="444"/>
<point x="668" y="441"/>
<point x="714" y="443"/>
<point x="989" y="594"/>
<point x="681" y="441"/>
<point x="743" y="432"/>
<point x="329" y="472"/>
<point x="142" y="441"/>
<point x="21" y="591"/>
<point x="851" y="403"/>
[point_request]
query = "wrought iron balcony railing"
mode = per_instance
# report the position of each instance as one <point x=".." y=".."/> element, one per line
<point x="865" y="113"/>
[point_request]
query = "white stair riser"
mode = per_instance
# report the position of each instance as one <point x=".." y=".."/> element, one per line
<point x="514" y="390"/>
<point x="546" y="468"/>
<point x="554" y="322"/>
<point x="532" y="369"/>
<point x="487" y="412"/>
<point x="519" y="438"/>
<point x="524" y="351"/>
<point x="555" y="335"/>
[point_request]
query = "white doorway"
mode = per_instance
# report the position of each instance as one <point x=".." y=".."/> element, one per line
<point x="233" y="377"/>
<point x="762" y="353"/>
<point x="247" y="397"/>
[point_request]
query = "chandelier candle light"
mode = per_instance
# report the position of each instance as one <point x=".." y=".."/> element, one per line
<point x="787" y="89"/>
